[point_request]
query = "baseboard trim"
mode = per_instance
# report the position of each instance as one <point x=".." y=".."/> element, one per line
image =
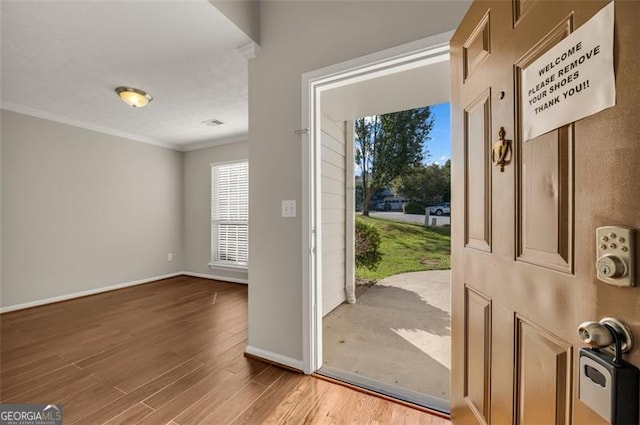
<point x="87" y="293"/>
<point x="277" y="359"/>
<point x="215" y="277"/>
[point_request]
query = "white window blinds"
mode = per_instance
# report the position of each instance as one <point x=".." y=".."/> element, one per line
<point x="230" y="214"/>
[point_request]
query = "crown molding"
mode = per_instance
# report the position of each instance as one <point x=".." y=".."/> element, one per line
<point x="13" y="107"/>
<point x="249" y="51"/>
<point x="218" y="142"/>
<point x="21" y="109"/>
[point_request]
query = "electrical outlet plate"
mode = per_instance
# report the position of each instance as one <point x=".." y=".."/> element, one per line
<point x="288" y="208"/>
<point x="615" y="247"/>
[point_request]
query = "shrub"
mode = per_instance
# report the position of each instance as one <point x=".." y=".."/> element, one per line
<point x="414" y="207"/>
<point x="367" y="245"/>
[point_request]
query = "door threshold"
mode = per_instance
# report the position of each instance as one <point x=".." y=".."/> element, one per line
<point x="432" y="404"/>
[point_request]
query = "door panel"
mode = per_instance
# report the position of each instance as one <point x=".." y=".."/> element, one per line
<point x="543" y="370"/>
<point x="477" y="353"/>
<point x="477" y="172"/>
<point x="523" y="274"/>
<point x="545" y="188"/>
<point x="545" y="214"/>
<point x="520" y="8"/>
<point x="477" y="47"/>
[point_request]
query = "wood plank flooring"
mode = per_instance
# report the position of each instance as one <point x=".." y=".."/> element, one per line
<point x="168" y="352"/>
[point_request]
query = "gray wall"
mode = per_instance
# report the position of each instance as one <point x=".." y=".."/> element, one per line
<point x="197" y="206"/>
<point x="245" y="14"/>
<point x="298" y="37"/>
<point x="82" y="210"/>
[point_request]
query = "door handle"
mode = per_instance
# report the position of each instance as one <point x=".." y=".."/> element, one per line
<point x="606" y="333"/>
<point x="607" y="384"/>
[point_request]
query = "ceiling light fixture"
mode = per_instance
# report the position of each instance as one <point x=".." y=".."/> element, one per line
<point x="134" y="97"/>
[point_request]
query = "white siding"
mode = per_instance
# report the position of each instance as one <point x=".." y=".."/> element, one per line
<point x="333" y="185"/>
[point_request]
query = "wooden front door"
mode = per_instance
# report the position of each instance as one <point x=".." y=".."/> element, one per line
<point x="523" y="244"/>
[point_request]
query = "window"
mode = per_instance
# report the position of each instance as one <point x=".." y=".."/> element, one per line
<point x="230" y="214"/>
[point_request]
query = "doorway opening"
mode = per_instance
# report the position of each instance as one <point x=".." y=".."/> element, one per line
<point x="393" y="334"/>
<point x="395" y="80"/>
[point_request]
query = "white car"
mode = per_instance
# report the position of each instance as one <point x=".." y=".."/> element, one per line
<point x="440" y="209"/>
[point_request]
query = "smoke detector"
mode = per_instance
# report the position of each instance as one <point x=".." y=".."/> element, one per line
<point x="212" y="123"/>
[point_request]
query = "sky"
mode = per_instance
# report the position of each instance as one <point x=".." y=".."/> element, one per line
<point x="439" y="146"/>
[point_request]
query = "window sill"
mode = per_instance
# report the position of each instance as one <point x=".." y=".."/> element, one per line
<point x="229" y="267"/>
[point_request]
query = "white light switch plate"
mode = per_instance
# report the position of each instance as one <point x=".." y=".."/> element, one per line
<point x="288" y="208"/>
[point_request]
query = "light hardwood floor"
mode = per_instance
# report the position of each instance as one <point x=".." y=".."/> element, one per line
<point x="169" y="352"/>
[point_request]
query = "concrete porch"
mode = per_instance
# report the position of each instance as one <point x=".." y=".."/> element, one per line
<point x="397" y="334"/>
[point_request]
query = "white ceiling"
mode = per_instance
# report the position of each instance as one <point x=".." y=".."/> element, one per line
<point x="63" y="59"/>
<point x="423" y="86"/>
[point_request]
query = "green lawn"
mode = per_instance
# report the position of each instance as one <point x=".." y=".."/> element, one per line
<point x="408" y="247"/>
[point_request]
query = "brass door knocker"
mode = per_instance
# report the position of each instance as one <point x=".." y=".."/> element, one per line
<point x="501" y="152"/>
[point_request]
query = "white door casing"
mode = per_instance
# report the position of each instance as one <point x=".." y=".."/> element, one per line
<point x="420" y="53"/>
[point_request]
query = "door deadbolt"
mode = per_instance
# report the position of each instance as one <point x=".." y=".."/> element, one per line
<point x="615" y="247"/>
<point x="611" y="266"/>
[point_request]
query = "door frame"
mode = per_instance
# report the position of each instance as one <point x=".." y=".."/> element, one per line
<point x="412" y="55"/>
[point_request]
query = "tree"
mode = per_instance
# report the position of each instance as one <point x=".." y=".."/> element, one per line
<point x="446" y="196"/>
<point x="428" y="184"/>
<point x="388" y="146"/>
<point x="359" y="195"/>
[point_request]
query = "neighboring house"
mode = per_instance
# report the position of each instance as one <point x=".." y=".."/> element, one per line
<point x="391" y="204"/>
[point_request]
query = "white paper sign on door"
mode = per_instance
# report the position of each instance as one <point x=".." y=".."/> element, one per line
<point x="571" y="81"/>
